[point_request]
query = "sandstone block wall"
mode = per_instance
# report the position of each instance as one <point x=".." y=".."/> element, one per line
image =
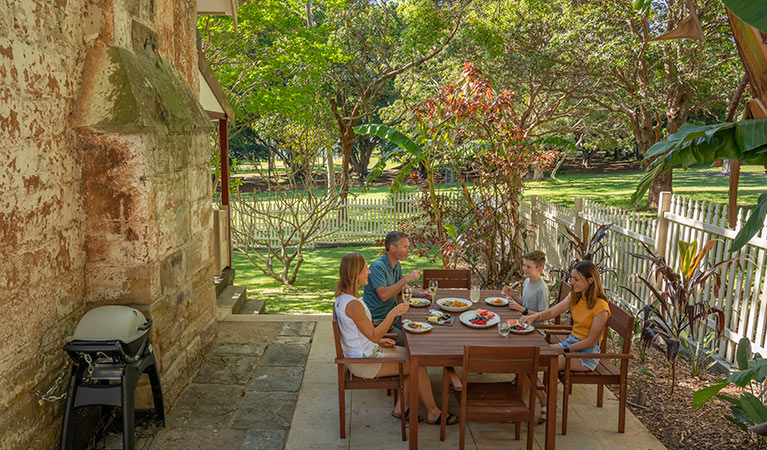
<point x="104" y="195"/>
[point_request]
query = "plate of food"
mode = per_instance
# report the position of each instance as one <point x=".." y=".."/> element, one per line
<point x="518" y="327"/>
<point x="497" y="301"/>
<point x="417" y="327"/>
<point x="454" y="304"/>
<point x="479" y="318"/>
<point x="440" y="318"/>
<point x="418" y="302"/>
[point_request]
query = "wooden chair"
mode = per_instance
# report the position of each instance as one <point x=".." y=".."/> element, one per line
<point x="347" y="381"/>
<point x="622" y="323"/>
<point x="448" y="278"/>
<point x="494" y="401"/>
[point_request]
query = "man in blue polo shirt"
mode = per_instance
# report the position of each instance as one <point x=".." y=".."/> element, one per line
<point x="386" y="281"/>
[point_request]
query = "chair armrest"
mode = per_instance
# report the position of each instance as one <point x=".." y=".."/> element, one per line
<point x="599" y="355"/>
<point x="397" y="359"/>
<point x="556" y="332"/>
<point x="454" y="379"/>
<point x="553" y="327"/>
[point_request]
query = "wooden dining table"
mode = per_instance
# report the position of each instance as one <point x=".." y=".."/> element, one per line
<point x="442" y="346"/>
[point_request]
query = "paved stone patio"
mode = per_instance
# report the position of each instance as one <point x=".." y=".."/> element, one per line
<point x="270" y="383"/>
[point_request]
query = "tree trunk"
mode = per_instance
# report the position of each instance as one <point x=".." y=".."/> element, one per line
<point x="663" y="182"/>
<point x="553" y="174"/>
<point x="331" y="174"/>
<point x="361" y="157"/>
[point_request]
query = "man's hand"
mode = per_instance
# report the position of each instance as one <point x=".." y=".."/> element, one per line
<point x="515" y="306"/>
<point x="412" y="276"/>
<point x="386" y="342"/>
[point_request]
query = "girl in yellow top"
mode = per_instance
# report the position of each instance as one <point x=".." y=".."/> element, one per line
<point x="588" y="304"/>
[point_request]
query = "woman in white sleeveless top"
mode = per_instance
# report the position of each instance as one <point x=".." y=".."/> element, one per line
<point x="361" y="339"/>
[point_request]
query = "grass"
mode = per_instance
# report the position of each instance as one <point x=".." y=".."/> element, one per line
<point x="700" y="183"/>
<point x="313" y="291"/>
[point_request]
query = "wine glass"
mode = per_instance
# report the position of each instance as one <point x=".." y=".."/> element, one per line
<point x="407" y="293"/>
<point x="474" y="294"/>
<point x="433" y="285"/>
<point x="504" y="328"/>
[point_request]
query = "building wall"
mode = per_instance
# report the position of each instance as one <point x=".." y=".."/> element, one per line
<point x="104" y="198"/>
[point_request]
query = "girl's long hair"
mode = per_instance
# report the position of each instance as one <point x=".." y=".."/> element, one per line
<point x="351" y="266"/>
<point x="595" y="290"/>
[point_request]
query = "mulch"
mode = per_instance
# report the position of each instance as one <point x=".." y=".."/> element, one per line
<point x="671" y="417"/>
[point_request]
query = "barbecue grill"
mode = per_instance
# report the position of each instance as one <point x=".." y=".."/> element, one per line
<point x="110" y="349"/>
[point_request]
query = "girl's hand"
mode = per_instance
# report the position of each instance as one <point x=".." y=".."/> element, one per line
<point x="386" y="342"/>
<point x="528" y="319"/>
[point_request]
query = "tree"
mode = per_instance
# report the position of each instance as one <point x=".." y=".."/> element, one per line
<point x="380" y="41"/>
<point x="655" y="85"/>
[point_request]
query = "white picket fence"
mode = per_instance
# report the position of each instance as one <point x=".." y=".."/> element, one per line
<point x="743" y="292"/>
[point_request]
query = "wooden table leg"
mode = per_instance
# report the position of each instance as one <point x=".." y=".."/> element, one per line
<point x="413" y="403"/>
<point x="551" y="406"/>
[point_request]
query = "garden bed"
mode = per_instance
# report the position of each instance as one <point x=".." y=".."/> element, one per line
<point x="672" y="419"/>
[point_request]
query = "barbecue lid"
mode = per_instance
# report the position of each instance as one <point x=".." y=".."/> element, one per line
<point x="113" y="322"/>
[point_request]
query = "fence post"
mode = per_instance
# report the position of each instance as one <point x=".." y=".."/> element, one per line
<point x="661" y="230"/>
<point x="577" y="219"/>
<point x="533" y="222"/>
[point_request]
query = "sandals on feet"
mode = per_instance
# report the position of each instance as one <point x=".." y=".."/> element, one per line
<point x="452" y="419"/>
<point x="407" y="415"/>
<point x="542" y="418"/>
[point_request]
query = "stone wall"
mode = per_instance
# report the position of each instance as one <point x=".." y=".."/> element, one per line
<point x="104" y="191"/>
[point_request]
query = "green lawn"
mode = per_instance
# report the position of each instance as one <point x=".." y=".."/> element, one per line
<point x="313" y="292"/>
<point x="615" y="189"/>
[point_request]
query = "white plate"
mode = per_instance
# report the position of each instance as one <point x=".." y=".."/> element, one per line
<point x="418" y="302"/>
<point x="423" y="329"/>
<point x="441" y="302"/>
<point x="530" y="328"/>
<point x="503" y="299"/>
<point x="468" y="315"/>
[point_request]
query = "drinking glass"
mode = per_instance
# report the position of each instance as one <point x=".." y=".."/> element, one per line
<point x="407" y="293"/>
<point x="433" y="285"/>
<point x="474" y="294"/>
<point x="504" y="328"/>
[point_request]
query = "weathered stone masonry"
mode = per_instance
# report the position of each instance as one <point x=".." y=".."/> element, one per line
<point x="104" y="191"/>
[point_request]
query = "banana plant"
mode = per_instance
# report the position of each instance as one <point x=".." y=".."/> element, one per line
<point x="745" y="141"/>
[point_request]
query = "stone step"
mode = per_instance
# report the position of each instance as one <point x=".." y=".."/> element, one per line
<point x="230" y="300"/>
<point x="225" y="279"/>
<point x="252" y="306"/>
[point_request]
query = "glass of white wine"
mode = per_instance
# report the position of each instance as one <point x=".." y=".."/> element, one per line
<point x="474" y="294"/>
<point x="433" y="285"/>
<point x="504" y="328"/>
<point x="407" y="294"/>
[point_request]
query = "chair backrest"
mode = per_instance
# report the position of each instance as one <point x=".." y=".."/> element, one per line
<point x="523" y="360"/>
<point x="337" y="339"/>
<point x="562" y="293"/>
<point x="448" y="278"/>
<point x="623" y="324"/>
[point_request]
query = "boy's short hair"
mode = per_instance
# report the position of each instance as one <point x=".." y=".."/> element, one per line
<point x="536" y="256"/>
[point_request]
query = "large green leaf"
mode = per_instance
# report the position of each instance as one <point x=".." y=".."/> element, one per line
<point x="753" y="225"/>
<point x="743" y="353"/>
<point x="753" y="407"/>
<point x="701" y="396"/>
<point x="742" y="377"/>
<point x="392" y="135"/>
<point x="753" y="12"/>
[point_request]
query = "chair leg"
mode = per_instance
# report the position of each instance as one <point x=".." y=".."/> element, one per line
<point x="565" y="397"/>
<point x="600" y="395"/>
<point x="622" y="407"/>
<point x="402" y="416"/>
<point x="530" y="433"/>
<point x="342" y="411"/>
<point x="462" y="431"/>
<point x="517" y="430"/>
